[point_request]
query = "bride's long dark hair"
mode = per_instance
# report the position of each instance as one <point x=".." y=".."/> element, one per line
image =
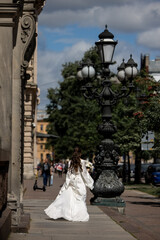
<point x="76" y="160"/>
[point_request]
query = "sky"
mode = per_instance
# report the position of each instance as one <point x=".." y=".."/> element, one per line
<point x="68" y="28"/>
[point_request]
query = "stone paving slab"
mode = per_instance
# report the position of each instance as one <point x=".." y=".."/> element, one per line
<point x="99" y="227"/>
<point x="141" y="218"/>
<point x="142" y="215"/>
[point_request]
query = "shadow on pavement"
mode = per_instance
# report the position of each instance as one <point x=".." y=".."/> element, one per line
<point x="152" y="204"/>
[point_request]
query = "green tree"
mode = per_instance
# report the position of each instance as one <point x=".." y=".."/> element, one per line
<point x="134" y="116"/>
<point x="128" y="135"/>
<point x="75" y="119"/>
<point x="71" y="117"/>
<point x="150" y="118"/>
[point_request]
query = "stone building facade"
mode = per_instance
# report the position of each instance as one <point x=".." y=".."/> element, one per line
<point x="151" y="66"/>
<point x="31" y="93"/>
<point x="18" y="36"/>
<point x="44" y="152"/>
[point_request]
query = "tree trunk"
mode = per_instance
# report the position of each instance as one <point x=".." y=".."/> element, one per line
<point x="129" y="169"/>
<point x="124" y="169"/>
<point x="137" y="167"/>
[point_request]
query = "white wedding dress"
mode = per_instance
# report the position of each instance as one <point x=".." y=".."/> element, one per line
<point x="70" y="203"/>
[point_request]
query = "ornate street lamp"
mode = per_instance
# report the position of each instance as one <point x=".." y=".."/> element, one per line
<point x="107" y="186"/>
<point x="106" y="46"/>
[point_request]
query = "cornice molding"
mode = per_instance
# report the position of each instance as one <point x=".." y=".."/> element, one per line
<point x="9" y="9"/>
<point x="8" y="13"/>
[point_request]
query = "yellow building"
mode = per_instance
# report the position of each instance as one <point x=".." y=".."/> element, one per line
<point x="42" y="136"/>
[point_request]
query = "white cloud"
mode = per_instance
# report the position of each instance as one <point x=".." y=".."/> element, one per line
<point x="123" y="51"/>
<point x="50" y="63"/>
<point x="128" y="17"/>
<point x="50" y="66"/>
<point x="83" y="4"/>
<point x="150" y="38"/>
<point x="139" y="17"/>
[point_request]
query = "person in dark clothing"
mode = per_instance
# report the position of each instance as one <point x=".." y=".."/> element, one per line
<point x="45" y="172"/>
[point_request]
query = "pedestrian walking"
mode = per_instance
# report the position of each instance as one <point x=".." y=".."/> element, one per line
<point x="51" y="174"/>
<point x="60" y="169"/>
<point x="65" y="167"/>
<point x="70" y="203"/>
<point x="45" y="172"/>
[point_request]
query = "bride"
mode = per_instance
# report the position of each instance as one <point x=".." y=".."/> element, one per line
<point x="70" y="203"/>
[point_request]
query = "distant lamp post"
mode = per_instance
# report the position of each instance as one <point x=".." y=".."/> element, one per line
<point x="121" y="71"/>
<point x="107" y="186"/>
<point x="88" y="70"/>
<point x="126" y="73"/>
<point x="79" y="73"/>
<point x="131" y="68"/>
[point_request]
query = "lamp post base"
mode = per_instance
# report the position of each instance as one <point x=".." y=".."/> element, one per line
<point x="108" y="185"/>
<point x="115" y="203"/>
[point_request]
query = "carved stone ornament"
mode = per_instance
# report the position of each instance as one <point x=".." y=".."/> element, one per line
<point x="28" y="38"/>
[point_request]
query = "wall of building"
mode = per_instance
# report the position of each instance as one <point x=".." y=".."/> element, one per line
<point x="30" y="106"/>
<point x="7" y="13"/>
<point x="18" y="21"/>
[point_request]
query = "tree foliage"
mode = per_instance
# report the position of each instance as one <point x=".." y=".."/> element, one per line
<point x="128" y="135"/>
<point x="138" y="113"/>
<point x="75" y="120"/>
<point x="71" y="117"/>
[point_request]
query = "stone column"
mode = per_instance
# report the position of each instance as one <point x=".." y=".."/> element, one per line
<point x="17" y="44"/>
<point x="9" y="13"/>
<point x="22" y="53"/>
<point x="5" y="76"/>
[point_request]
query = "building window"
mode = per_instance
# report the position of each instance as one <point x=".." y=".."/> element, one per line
<point x="41" y="139"/>
<point x="41" y="156"/>
<point x="41" y="146"/>
<point x="41" y="127"/>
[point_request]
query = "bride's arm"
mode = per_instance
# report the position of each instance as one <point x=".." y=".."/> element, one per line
<point x="86" y="176"/>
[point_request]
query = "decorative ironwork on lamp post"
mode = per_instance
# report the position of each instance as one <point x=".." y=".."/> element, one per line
<point x="107" y="186"/>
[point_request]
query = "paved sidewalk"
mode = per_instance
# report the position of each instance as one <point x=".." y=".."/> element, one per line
<point x="144" y="210"/>
<point x="99" y="227"/>
<point x="141" y="220"/>
<point x="142" y="215"/>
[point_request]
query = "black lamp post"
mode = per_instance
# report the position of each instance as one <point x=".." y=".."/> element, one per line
<point x="107" y="186"/>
